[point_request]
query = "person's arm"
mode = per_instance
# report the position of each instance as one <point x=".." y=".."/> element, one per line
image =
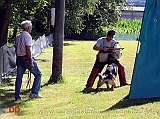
<point x="107" y="50"/>
<point x="99" y="48"/>
<point x="29" y="55"/>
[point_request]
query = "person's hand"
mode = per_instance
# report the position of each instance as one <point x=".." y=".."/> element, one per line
<point x="114" y="50"/>
<point x="31" y="65"/>
<point x="105" y="49"/>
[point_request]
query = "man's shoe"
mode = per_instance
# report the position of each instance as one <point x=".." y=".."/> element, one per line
<point x="88" y="90"/>
<point x="35" y="95"/>
<point x="18" y="100"/>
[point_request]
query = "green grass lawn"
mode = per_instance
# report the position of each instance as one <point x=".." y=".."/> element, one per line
<point x="67" y="100"/>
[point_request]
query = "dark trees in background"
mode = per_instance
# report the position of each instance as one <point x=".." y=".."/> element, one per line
<point x="5" y="7"/>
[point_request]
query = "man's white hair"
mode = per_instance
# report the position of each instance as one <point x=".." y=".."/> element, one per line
<point x="25" y="24"/>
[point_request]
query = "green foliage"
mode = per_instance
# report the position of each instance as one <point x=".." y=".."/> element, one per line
<point x="68" y="100"/>
<point x="80" y="15"/>
<point x="90" y="15"/>
<point x="74" y="12"/>
<point x="37" y="12"/>
<point x="126" y="26"/>
<point x="104" y="15"/>
<point x="10" y="32"/>
<point x="11" y="29"/>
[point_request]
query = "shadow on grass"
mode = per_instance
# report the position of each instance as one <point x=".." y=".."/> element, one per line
<point x="42" y="60"/>
<point x="7" y="98"/>
<point x="125" y="103"/>
<point x="90" y="90"/>
<point x="46" y="84"/>
<point x="7" y="82"/>
<point x="68" y="44"/>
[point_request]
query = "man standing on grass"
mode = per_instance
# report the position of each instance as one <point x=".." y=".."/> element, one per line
<point x="25" y="61"/>
<point x="103" y="44"/>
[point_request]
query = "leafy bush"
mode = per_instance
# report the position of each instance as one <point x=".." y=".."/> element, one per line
<point x="127" y="26"/>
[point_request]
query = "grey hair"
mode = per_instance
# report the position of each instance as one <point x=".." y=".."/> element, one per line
<point x="25" y="24"/>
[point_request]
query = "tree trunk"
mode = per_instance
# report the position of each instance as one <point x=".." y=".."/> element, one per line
<point x="4" y="21"/>
<point x="58" y="41"/>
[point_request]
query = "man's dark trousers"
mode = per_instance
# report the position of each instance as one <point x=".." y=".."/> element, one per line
<point x="98" y="67"/>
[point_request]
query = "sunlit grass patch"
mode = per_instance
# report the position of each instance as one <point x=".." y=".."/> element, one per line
<point x="68" y="101"/>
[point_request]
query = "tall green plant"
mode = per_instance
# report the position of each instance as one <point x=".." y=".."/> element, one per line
<point x="127" y="26"/>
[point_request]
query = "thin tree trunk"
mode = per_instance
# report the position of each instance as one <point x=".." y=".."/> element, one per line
<point x="58" y="41"/>
<point x="4" y="21"/>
